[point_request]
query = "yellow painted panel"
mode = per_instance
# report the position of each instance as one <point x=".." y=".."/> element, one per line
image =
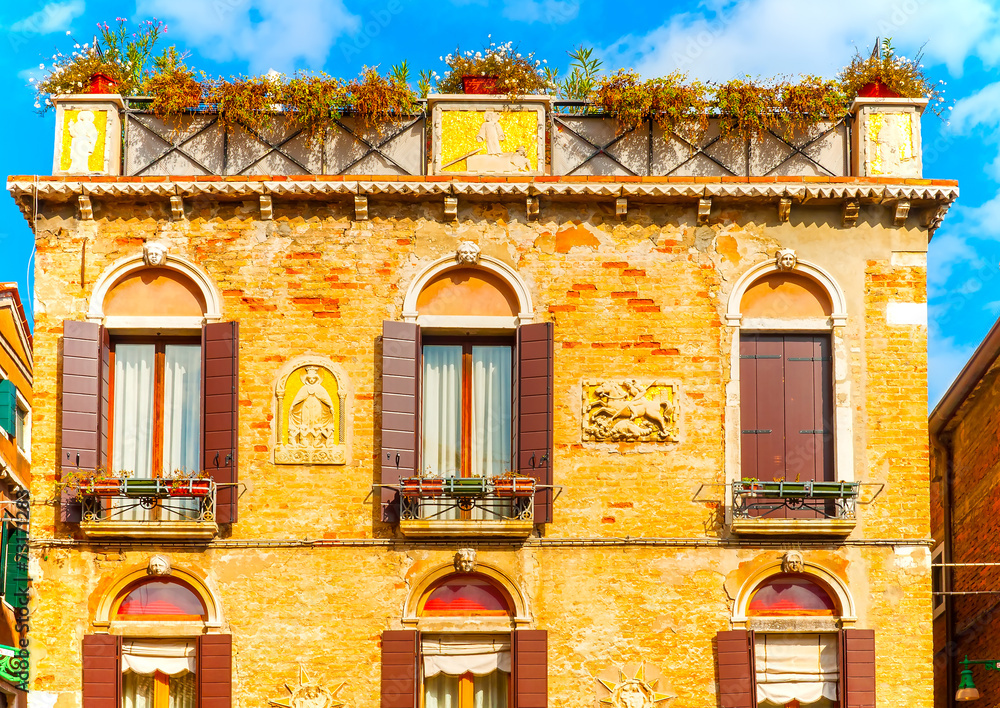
<point x="96" y="161"/>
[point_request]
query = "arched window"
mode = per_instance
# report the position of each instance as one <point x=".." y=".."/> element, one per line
<point x="468" y="395"/>
<point x="791" y="595"/>
<point x="165" y="370"/>
<point x="796" y="644"/>
<point x="465" y="670"/>
<point x="158" y="648"/>
<point x="788" y="317"/>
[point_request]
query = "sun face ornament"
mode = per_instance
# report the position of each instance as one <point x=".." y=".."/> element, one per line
<point x="308" y="694"/>
<point x="633" y="686"/>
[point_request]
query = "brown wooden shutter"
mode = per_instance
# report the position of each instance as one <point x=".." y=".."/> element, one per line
<point x="737" y="676"/>
<point x="220" y="350"/>
<point x="84" y="438"/>
<point x="857" y="668"/>
<point x="400" y="650"/>
<point x="215" y="671"/>
<point x="530" y="676"/>
<point x="534" y="406"/>
<point x="808" y="408"/>
<point x="762" y="412"/>
<point x="102" y="671"/>
<point x="400" y="409"/>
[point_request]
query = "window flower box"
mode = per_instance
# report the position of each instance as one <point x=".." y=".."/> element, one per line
<point x="785" y="490"/>
<point x="103" y="488"/>
<point x="508" y="487"/>
<point x="465" y="486"/>
<point x="142" y="487"/>
<point x="479" y="84"/>
<point x="417" y="487"/>
<point x="191" y="488"/>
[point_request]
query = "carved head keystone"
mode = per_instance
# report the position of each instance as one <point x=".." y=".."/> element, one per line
<point x="467" y="252"/>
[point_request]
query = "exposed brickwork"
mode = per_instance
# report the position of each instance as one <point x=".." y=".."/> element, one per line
<point x="643" y="298"/>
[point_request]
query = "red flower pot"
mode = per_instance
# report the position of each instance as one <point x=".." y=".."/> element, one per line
<point x="479" y="84"/>
<point x="104" y="488"/>
<point x="192" y="488"/>
<point x="102" y="83"/>
<point x="877" y="89"/>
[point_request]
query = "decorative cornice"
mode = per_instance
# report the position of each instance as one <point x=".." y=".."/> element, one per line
<point x="919" y="192"/>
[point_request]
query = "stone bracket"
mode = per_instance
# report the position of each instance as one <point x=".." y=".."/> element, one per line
<point x="266" y="208"/>
<point x="621" y="207"/>
<point x="704" y="210"/>
<point x="177" y="207"/>
<point x="532" y="208"/>
<point x="360" y="208"/>
<point x="852" y="207"/>
<point x="451" y="208"/>
<point x="934" y="216"/>
<point x="85" y="208"/>
<point x="902" y="211"/>
<point x="784" y="209"/>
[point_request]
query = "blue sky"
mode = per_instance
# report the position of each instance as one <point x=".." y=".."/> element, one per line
<point x="711" y="40"/>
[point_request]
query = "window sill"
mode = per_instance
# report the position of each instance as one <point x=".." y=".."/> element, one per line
<point x="793" y="527"/>
<point x="511" y="528"/>
<point x="150" y="529"/>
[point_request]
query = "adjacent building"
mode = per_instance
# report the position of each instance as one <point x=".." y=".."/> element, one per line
<point x="965" y="455"/>
<point x="636" y="424"/>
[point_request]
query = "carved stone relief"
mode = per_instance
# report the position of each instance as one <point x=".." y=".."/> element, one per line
<point x="633" y="686"/>
<point x="792" y="562"/>
<point x="308" y="694"/>
<point x="310" y="418"/>
<point x="159" y="565"/>
<point x="629" y="410"/>
<point x="465" y="560"/>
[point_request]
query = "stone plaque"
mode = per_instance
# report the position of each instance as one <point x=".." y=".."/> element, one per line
<point x="629" y="410"/>
<point x="310" y="414"/>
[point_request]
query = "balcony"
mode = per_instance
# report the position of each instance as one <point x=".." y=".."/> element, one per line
<point x="149" y="508"/>
<point x="800" y="508"/>
<point x="467" y="506"/>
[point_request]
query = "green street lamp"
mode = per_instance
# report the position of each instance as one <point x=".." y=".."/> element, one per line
<point x="967" y="690"/>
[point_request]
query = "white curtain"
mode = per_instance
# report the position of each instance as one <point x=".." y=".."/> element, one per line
<point x="182" y="408"/>
<point x="490" y="691"/>
<point x="146" y="657"/>
<point x="802" y="667"/>
<point x="459" y="655"/>
<point x="182" y="421"/>
<point x="133" y="424"/>
<point x="132" y="442"/>
<point x="137" y="691"/>
<point x="491" y="394"/>
<point x="440" y="691"/>
<point x="183" y="692"/>
<point x="442" y="410"/>
<point x="491" y="401"/>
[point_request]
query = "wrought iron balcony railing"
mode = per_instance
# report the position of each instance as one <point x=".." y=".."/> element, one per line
<point x="136" y="506"/>
<point x="753" y="499"/>
<point x="498" y="506"/>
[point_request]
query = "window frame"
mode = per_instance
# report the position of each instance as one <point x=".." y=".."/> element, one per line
<point x="160" y="343"/>
<point x="835" y="325"/>
<point x="467" y="343"/>
<point x="939" y="576"/>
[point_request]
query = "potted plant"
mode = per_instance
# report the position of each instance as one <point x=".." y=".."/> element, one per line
<point x="377" y="99"/>
<point x="190" y="485"/>
<point x="885" y="74"/>
<point x="497" y="69"/>
<point x="142" y="487"/>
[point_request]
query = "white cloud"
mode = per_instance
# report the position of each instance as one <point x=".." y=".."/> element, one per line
<point x="981" y="108"/>
<point x="770" y="37"/>
<point x="54" y="17"/>
<point x="286" y="34"/>
<point x="546" y="11"/>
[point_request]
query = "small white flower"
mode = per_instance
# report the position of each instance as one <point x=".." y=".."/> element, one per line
<point x="41" y="66"/>
<point x="67" y="33"/>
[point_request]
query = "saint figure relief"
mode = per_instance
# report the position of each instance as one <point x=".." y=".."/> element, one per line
<point x="83" y="143"/>
<point x="491" y="132"/>
<point x="311" y="415"/>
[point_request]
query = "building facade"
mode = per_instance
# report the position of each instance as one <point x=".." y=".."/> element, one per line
<point x="526" y="434"/>
<point x="15" y="479"/>
<point x="964" y="477"/>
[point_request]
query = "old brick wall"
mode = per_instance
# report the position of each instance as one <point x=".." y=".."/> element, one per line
<point x="640" y="298"/>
